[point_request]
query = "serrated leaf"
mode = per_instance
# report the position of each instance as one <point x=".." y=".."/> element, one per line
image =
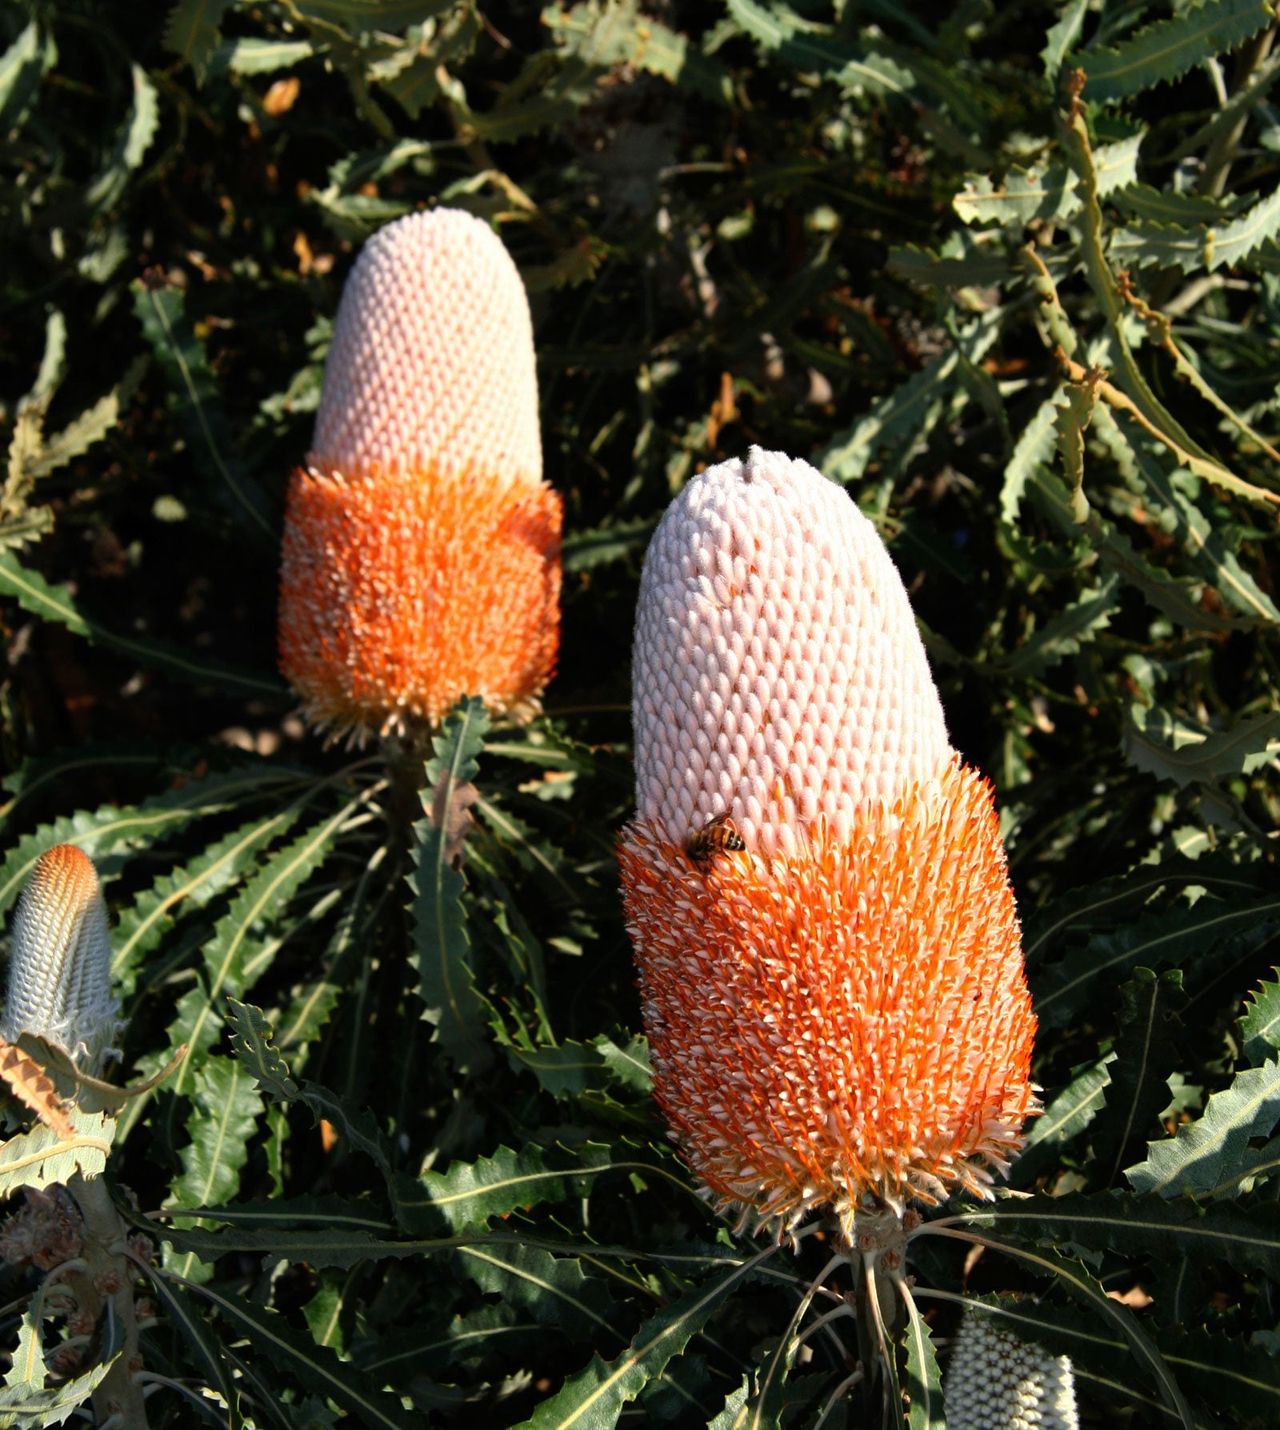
<point x="114" y="831"/>
<point x="315" y="1367"/>
<point x="1065" y="1116"/>
<point x="251" y="55"/>
<point x="1169" y="48"/>
<point x="90" y="427"/>
<point x="978" y="268"/>
<point x="1062" y="36"/>
<point x="1159" y="744"/>
<point x="441" y="943"/>
<point x="133" y="139"/>
<point x="27" y="1400"/>
<point x="1168" y="206"/>
<point x="1226" y="1372"/>
<point x="323" y="1246"/>
<point x="22" y="67"/>
<point x="923" y="1378"/>
<point x="555" y="1290"/>
<point x="1205" y="246"/>
<point x="585" y="550"/>
<point x="1260" y="1022"/>
<point x="191" y="32"/>
<point x="817" y="48"/>
<point x="35" y="1089"/>
<point x="220" y="866"/>
<point x="1074" y="627"/>
<point x="248" y="931"/>
<point x="1138" y="1087"/>
<point x="1045" y="191"/>
<point x="252" y="1044"/>
<point x="1189" y="937"/>
<point x="56" y="603"/>
<point x="226" y="1106"/>
<point x="1245" y="1235"/>
<point x="44" y="1158"/>
<point x="594" y="1398"/>
<point x="468" y="1195"/>
<point x="200" y="1338"/>
<point x="1205" y="1153"/>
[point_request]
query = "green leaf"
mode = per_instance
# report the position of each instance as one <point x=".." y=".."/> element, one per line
<point x="132" y="142"/>
<point x="181" y="355"/>
<point x="114" y="831"/>
<point x="553" y="1289"/>
<point x="22" y="68"/>
<point x="572" y="1069"/>
<point x="26" y="1364"/>
<point x="1227" y="1372"/>
<point x="1062" y="36"/>
<point x="594" y="1398"/>
<point x="1161" y="745"/>
<point x="818" y="49"/>
<point x="1260" y="1022"/>
<point x="1241" y="1234"/>
<point x="1204" y="1153"/>
<point x="251" y="1042"/>
<point x="200" y="1337"/>
<point x="585" y="550"/>
<point x="1138" y="1089"/>
<point x="226" y="1105"/>
<point x="191" y="32"/>
<point x="907" y="416"/>
<point x="43" y="1158"/>
<point x="29" y="1404"/>
<point x="56" y="603"/>
<point x="1045" y="191"/>
<point x="1064" y="635"/>
<point x="315" y="1367"/>
<point x="469" y="1195"/>
<point x="1169" y="48"/>
<point x="923" y="1378"/>
<point x="250" y="55"/>
<point x="1186" y="936"/>
<point x="1065" y="1116"/>
<point x="220" y="866"/>
<point x="440" y="939"/>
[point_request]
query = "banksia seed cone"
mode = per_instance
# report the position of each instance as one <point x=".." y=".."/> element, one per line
<point x="997" y="1382"/>
<point x="421" y="546"/>
<point x="829" y="957"/>
<point x="60" y="960"/>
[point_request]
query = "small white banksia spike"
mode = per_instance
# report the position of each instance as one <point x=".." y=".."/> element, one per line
<point x="995" y="1381"/>
<point x="60" y="960"/>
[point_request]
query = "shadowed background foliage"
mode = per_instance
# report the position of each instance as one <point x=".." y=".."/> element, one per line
<point x="1033" y="327"/>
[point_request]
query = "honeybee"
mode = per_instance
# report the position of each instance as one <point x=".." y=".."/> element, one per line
<point x="717" y="836"/>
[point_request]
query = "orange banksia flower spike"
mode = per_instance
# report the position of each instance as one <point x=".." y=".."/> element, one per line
<point x="829" y="955"/>
<point x="421" y="557"/>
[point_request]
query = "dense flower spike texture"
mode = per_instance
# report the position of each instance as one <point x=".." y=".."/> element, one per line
<point x="836" y="1008"/>
<point x="995" y="1381"/>
<point x="60" y="960"/>
<point x="421" y="557"/>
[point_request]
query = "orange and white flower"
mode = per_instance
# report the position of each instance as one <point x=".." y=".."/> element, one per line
<point x="838" y="1006"/>
<point x="60" y="959"/>
<point x="421" y="545"/>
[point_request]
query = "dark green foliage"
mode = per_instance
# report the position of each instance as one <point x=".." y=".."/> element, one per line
<point x="409" y="1171"/>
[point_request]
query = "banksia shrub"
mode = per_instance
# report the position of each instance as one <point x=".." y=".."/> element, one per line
<point x="829" y="956"/>
<point x="421" y="546"/>
<point x="60" y="959"/>
<point x="995" y="1381"/>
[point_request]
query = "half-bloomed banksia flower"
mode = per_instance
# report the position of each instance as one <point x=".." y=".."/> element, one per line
<point x="60" y="960"/>
<point x="997" y="1381"/>
<point x="829" y="956"/>
<point x="421" y="557"/>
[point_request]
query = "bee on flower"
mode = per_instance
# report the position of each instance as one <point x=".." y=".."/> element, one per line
<point x="839" y="1011"/>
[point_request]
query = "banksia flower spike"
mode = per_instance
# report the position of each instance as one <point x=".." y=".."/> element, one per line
<point x="995" y="1381"/>
<point x="421" y="545"/>
<point x="60" y="960"/>
<point x="829" y="957"/>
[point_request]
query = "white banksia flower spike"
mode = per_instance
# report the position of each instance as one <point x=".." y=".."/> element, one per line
<point x="60" y="960"/>
<point x="421" y="551"/>
<point x="997" y="1381"/>
<point x="829" y="956"/>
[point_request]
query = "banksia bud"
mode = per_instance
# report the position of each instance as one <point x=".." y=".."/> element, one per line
<point x="829" y="957"/>
<point x="60" y="960"/>
<point x="995" y="1381"/>
<point x="421" y="546"/>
